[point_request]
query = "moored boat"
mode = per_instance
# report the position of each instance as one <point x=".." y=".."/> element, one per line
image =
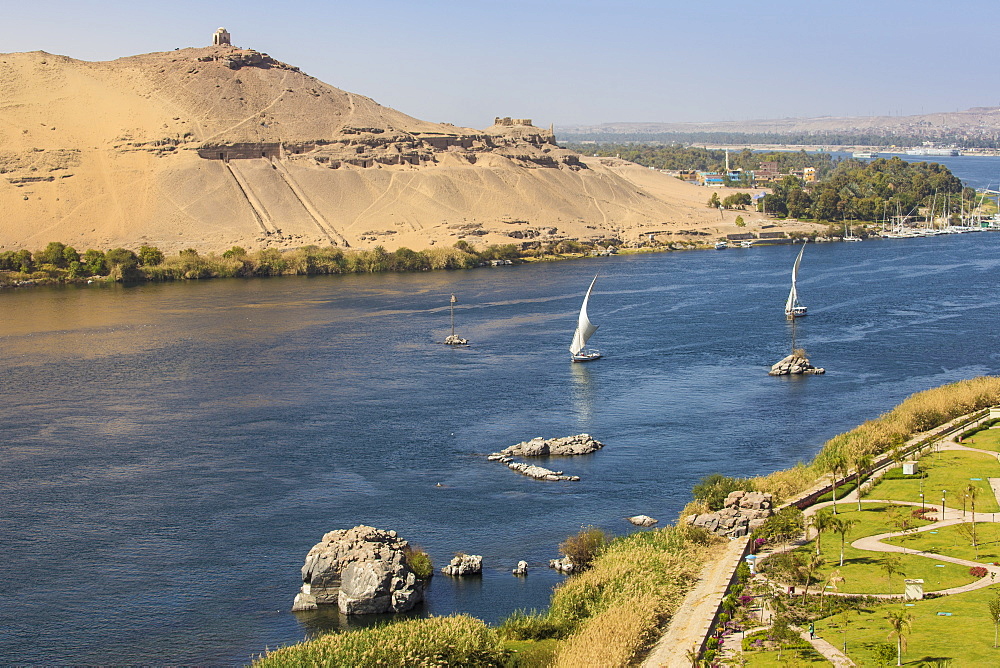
<point x="793" y="309"/>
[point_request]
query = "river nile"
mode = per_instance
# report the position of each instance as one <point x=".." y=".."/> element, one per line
<point x="171" y="452"/>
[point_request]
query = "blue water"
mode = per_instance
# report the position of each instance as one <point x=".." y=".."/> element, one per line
<point x="171" y="452"/>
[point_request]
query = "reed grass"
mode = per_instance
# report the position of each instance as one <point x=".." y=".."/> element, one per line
<point x="917" y="413"/>
<point x="614" y="610"/>
<point x="457" y="640"/>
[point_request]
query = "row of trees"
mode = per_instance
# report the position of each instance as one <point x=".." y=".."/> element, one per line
<point x="683" y="157"/>
<point x="872" y="191"/>
<point x="59" y="261"/>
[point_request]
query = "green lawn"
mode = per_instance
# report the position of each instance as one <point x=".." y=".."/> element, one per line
<point x="950" y="470"/>
<point x="950" y="542"/>
<point x="861" y="570"/>
<point x="987" y="439"/>
<point x="842" y="491"/>
<point x="789" y="657"/>
<point x="966" y="636"/>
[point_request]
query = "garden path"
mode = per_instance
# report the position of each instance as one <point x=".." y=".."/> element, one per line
<point x="690" y="627"/>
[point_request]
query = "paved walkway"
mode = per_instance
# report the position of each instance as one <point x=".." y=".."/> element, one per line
<point x="829" y="652"/>
<point x="689" y="628"/>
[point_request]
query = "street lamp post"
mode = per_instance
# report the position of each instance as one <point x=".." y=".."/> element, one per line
<point x="944" y="492"/>
<point x="921" y="502"/>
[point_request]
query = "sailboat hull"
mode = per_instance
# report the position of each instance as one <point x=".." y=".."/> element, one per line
<point x="586" y="356"/>
<point x="796" y="312"/>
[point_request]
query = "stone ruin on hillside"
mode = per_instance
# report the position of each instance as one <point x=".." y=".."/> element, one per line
<point x="221" y="37"/>
<point x="741" y="513"/>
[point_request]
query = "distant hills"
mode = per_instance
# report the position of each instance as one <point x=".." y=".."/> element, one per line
<point x="213" y="147"/>
<point x="976" y="126"/>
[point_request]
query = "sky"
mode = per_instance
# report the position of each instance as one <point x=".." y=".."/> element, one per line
<point x="574" y="62"/>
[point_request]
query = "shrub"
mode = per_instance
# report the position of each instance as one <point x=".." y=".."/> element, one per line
<point x="582" y="547"/>
<point x="884" y="653"/>
<point x="978" y="572"/>
<point x="419" y="561"/>
<point x="713" y="489"/>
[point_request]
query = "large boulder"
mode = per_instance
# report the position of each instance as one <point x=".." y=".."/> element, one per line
<point x="370" y="587"/>
<point x="741" y="513"/>
<point x="362" y="570"/>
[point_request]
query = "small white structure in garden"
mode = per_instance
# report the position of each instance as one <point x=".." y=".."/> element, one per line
<point x="914" y="590"/>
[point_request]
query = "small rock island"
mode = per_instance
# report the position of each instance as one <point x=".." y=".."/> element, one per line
<point x="794" y="365"/>
<point x="362" y="571"/>
<point x="581" y="444"/>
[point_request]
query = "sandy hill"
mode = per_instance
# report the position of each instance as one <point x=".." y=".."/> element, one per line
<point x="220" y="146"/>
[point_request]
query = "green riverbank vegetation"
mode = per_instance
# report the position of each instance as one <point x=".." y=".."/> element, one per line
<point x="59" y="263"/>
<point x="611" y="610"/>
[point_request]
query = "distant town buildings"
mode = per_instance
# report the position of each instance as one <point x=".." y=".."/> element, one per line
<point x="768" y="173"/>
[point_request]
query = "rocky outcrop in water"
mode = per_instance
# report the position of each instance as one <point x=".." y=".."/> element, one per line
<point x="539" y="472"/>
<point x="563" y="565"/>
<point x="361" y="570"/>
<point x="521" y="568"/>
<point x="464" y="564"/>
<point x="741" y="513"/>
<point x="642" y="520"/>
<point x="794" y="365"/>
<point x="581" y="444"/>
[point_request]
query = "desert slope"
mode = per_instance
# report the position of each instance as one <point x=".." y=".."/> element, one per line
<point x="220" y="146"/>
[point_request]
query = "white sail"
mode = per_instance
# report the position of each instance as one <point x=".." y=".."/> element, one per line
<point x="793" y="294"/>
<point x="584" y="328"/>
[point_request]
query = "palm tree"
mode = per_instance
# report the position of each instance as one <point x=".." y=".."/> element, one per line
<point x="822" y="522"/>
<point x="900" y="622"/>
<point x="890" y="564"/>
<point x="862" y="462"/>
<point x="836" y="466"/>
<point x="971" y="491"/>
<point x="843" y="526"/>
<point x="994" y="607"/>
<point x="808" y="568"/>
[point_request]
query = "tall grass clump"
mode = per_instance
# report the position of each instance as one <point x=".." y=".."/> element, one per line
<point x="583" y="547"/>
<point x="917" y="413"/>
<point x="457" y="640"/>
<point x="612" y="612"/>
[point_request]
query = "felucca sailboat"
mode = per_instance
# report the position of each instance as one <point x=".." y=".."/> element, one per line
<point x="584" y="330"/>
<point x="793" y="309"/>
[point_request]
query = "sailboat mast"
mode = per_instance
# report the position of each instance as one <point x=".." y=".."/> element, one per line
<point x="453" y="315"/>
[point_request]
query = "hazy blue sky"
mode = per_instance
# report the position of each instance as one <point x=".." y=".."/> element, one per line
<point x="569" y="62"/>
